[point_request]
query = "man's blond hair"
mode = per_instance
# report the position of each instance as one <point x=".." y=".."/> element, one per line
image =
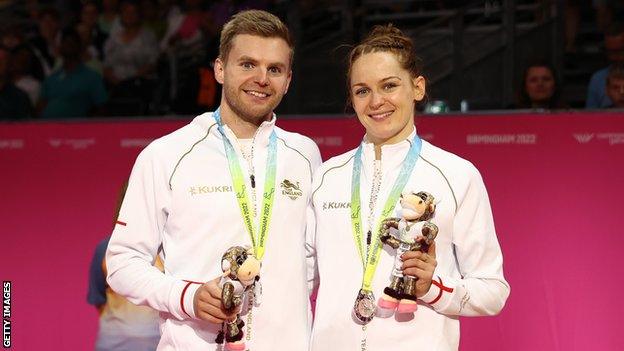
<point x="253" y="22"/>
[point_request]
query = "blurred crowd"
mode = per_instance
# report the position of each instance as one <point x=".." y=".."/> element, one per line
<point x="77" y="58"/>
<point x="68" y="59"/>
<point x="541" y="88"/>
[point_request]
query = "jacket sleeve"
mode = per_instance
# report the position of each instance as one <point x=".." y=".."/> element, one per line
<point x="482" y="289"/>
<point x="136" y="239"/>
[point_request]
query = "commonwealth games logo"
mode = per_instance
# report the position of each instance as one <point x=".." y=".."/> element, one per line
<point x="291" y="189"/>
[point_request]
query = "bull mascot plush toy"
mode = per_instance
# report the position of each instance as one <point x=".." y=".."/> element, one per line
<point x="414" y="232"/>
<point x="241" y="272"/>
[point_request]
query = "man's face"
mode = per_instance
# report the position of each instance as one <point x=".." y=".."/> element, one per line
<point x="255" y="76"/>
<point x="615" y="91"/>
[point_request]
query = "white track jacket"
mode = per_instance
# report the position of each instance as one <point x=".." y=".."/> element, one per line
<point x="468" y="278"/>
<point x="181" y="202"/>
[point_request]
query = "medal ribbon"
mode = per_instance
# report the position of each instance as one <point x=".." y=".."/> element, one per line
<point x="241" y="189"/>
<point x="370" y="261"/>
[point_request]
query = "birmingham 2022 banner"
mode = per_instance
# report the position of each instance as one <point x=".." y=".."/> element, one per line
<point x="556" y="184"/>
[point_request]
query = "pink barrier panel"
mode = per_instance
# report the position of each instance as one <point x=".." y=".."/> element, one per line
<point x="555" y="182"/>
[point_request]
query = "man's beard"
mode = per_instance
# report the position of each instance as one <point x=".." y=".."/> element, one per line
<point x="243" y="111"/>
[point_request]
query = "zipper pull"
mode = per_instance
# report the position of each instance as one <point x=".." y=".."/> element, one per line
<point x="253" y="181"/>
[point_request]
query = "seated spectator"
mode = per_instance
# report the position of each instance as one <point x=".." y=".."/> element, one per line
<point x="22" y="73"/>
<point x="93" y="37"/>
<point x="45" y="44"/>
<point x="153" y="19"/>
<point x="615" y="85"/>
<point x="90" y="55"/>
<point x="14" y="103"/>
<point x="540" y="87"/>
<point x="184" y="29"/>
<point x="614" y="46"/>
<point x="185" y="47"/>
<point x="130" y="57"/>
<point x="73" y="90"/>
<point x="108" y="21"/>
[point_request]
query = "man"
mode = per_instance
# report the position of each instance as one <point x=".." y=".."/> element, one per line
<point x="615" y="85"/>
<point x="14" y="103"/>
<point x="614" y="46"/>
<point x="209" y="186"/>
<point x="74" y="90"/>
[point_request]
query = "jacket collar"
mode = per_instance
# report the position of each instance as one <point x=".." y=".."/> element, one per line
<point x="260" y="138"/>
<point x="392" y="155"/>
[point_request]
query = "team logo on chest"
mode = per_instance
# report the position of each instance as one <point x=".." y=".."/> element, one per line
<point x="290" y="189"/>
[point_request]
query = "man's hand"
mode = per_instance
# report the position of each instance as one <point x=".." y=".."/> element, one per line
<point x="420" y="265"/>
<point x="207" y="303"/>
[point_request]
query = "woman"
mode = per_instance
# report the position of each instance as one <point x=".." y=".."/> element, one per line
<point x="540" y="88"/>
<point x="130" y="56"/>
<point x="460" y="273"/>
<point x="132" y="51"/>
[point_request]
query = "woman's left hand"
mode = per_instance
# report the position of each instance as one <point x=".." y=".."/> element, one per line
<point x="420" y="265"/>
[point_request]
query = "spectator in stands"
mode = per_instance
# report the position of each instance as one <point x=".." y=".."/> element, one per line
<point x="152" y="18"/>
<point x="614" y="46"/>
<point x="45" y="44"/>
<point x="130" y="55"/>
<point x="184" y="29"/>
<point x="22" y="73"/>
<point x="184" y="45"/>
<point x="615" y="85"/>
<point x="22" y="63"/>
<point x="108" y="20"/>
<point x="14" y="103"/>
<point x="93" y="37"/>
<point x="73" y="90"/>
<point x="89" y="55"/>
<point x="540" y="87"/>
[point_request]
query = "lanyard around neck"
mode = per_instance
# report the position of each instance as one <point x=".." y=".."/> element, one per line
<point x="241" y="188"/>
<point x="370" y="258"/>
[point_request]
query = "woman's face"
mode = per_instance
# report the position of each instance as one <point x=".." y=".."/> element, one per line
<point x="383" y="95"/>
<point x="540" y="84"/>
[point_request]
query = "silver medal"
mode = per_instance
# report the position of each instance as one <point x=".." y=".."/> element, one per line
<point x="365" y="307"/>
